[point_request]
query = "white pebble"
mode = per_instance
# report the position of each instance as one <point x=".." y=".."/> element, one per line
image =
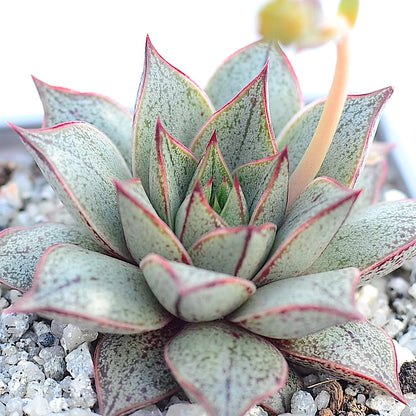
<point x="73" y="336"/>
<point x="303" y="404"/>
<point x="39" y="406"/>
<point x="384" y="404"/>
<point x="322" y="399"/>
<point x="185" y="409"/>
<point x="79" y="362"/>
<point x="152" y="410"/>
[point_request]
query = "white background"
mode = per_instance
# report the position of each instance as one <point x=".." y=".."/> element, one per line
<point x="97" y="46"/>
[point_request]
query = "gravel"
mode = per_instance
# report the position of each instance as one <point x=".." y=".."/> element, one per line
<point x="46" y="367"/>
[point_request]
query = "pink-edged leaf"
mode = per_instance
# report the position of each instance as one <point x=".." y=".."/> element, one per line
<point x="22" y="247"/>
<point x="299" y="306"/>
<point x="195" y="218"/>
<point x="80" y="163"/>
<point x="168" y="94"/>
<point x="225" y="369"/>
<point x="235" y="210"/>
<point x="96" y="291"/>
<point x="130" y="371"/>
<point x="237" y="251"/>
<point x="377" y="240"/>
<point x="62" y="105"/>
<point x="145" y="232"/>
<point x="171" y="168"/>
<point x="271" y="206"/>
<point x="280" y="401"/>
<point x="239" y="69"/>
<point x="211" y="167"/>
<point x="243" y="127"/>
<point x="192" y="294"/>
<point x="309" y="226"/>
<point x="357" y="351"/>
<point x="348" y="151"/>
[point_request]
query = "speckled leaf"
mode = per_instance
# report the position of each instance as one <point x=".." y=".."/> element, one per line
<point x="280" y="402"/>
<point x="192" y="294"/>
<point x="21" y="249"/>
<point x="356" y="129"/>
<point x="145" y="232"/>
<point x="309" y="226"/>
<point x="80" y="163"/>
<point x="225" y="369"/>
<point x="271" y="206"/>
<point x="357" y="351"/>
<point x="195" y="218"/>
<point x="240" y="68"/>
<point x="131" y="372"/>
<point x="62" y="105"/>
<point x="168" y="94"/>
<point x="211" y="166"/>
<point x="237" y="251"/>
<point x="171" y="168"/>
<point x="377" y="240"/>
<point x="235" y="210"/>
<point x="243" y="127"/>
<point x="314" y="302"/>
<point x="101" y="292"/>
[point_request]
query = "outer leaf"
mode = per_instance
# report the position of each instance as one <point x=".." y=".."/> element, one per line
<point x="314" y="302"/>
<point x="195" y="218"/>
<point x="194" y="295"/>
<point x="211" y="166"/>
<point x="131" y="372"/>
<point x="308" y="228"/>
<point x="357" y="351"/>
<point x="237" y="251"/>
<point x="352" y="139"/>
<point x="167" y="93"/>
<point x="145" y="232"/>
<point x="377" y="240"/>
<point x="62" y="105"/>
<point x="240" y="68"/>
<point x="80" y="163"/>
<point x="21" y="249"/>
<point x="94" y="290"/>
<point x="280" y="401"/>
<point x="172" y="166"/>
<point x="226" y="369"/>
<point x="243" y="127"/>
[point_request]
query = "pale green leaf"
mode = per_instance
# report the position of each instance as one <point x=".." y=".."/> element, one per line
<point x="314" y="302"/>
<point x="80" y="163"/>
<point x="94" y="291"/>
<point x="171" y="168"/>
<point x="348" y="151"/>
<point x="239" y="69"/>
<point x="235" y="210"/>
<point x="225" y="369"/>
<point x="243" y="127"/>
<point x="168" y="94"/>
<point x="21" y="249"/>
<point x="131" y="372"/>
<point x="145" y="232"/>
<point x="309" y="226"/>
<point x="357" y="351"/>
<point x="192" y="294"/>
<point x="237" y="251"/>
<point x="377" y="240"/>
<point x="62" y="105"/>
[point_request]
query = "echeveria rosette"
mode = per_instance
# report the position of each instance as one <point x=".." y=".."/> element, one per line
<point x="188" y="258"/>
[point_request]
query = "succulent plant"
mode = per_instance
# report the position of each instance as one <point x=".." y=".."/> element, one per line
<point x="185" y="252"/>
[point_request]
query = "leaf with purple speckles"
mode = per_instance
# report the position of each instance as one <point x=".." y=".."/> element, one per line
<point x="226" y="369"/>
<point x="376" y="240"/>
<point x="62" y="105"/>
<point x="95" y="290"/>
<point x="131" y="372"/>
<point x="357" y="351"/>
<point x="193" y="294"/>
